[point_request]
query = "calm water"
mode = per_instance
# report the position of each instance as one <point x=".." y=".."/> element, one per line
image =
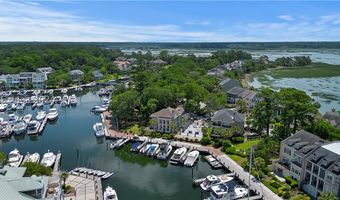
<point x="326" y="91"/>
<point x="137" y="176"/>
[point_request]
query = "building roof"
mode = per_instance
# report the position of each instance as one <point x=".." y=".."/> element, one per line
<point x="45" y="69"/>
<point x="235" y="91"/>
<point x="97" y="73"/>
<point x="12" y="172"/>
<point x="76" y="72"/>
<point x="333" y="118"/>
<point x="158" y="62"/>
<point x="333" y="147"/>
<point x="229" y="83"/>
<point x="169" y="112"/>
<point x="227" y="115"/>
<point x="328" y="157"/>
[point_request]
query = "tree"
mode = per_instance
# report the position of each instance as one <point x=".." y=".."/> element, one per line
<point x="64" y="176"/>
<point x="241" y="105"/>
<point x="3" y="158"/>
<point x="264" y="110"/>
<point x="327" y="196"/>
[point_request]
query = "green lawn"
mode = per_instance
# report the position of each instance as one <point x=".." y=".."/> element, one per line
<point x="314" y="70"/>
<point x="238" y="159"/>
<point x="247" y="144"/>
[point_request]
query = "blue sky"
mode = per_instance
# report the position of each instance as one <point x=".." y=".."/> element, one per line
<point x="169" y="21"/>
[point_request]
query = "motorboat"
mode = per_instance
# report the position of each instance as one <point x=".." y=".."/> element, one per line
<point x="213" y="180"/>
<point x="178" y="155"/>
<point x="12" y="107"/>
<point x="50" y="92"/>
<point x="224" y="191"/>
<point x="40" y="104"/>
<point x="48" y="159"/>
<point x="191" y="158"/>
<point x="41" y="115"/>
<point x="116" y="143"/>
<point x="33" y="127"/>
<point x="63" y="90"/>
<point x="153" y="150"/>
<point x="102" y="92"/>
<point x="99" y="109"/>
<point x="22" y="92"/>
<point x="73" y="100"/>
<point x="3" y="107"/>
<point x="34" y="158"/>
<point x="19" y="127"/>
<point x="12" y="119"/>
<point x="110" y="194"/>
<point x="27" y="118"/>
<point x="52" y="114"/>
<point x="21" y="105"/>
<point x="57" y="99"/>
<point x="165" y="150"/>
<point x="78" y="89"/>
<point x="5" y="130"/>
<point x="15" y="158"/>
<point x="145" y="148"/>
<point x="107" y="175"/>
<point x="99" y="129"/>
<point x="7" y="93"/>
<point x="135" y="146"/>
<point x="65" y="100"/>
<point x="36" y="92"/>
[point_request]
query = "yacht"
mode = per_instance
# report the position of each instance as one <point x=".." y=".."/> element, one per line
<point x="99" y="129"/>
<point x="48" y="159"/>
<point x="5" y="130"/>
<point x="99" y="109"/>
<point x="27" y="118"/>
<point x="213" y="180"/>
<point x="52" y="114"/>
<point x="73" y="100"/>
<point x="15" y="158"/>
<point x="153" y="150"/>
<point x="21" y="105"/>
<point x="65" y="100"/>
<point x="191" y="158"/>
<point x="34" y="158"/>
<point x="3" y="107"/>
<point x="224" y="191"/>
<point x="12" y="119"/>
<point x="19" y="127"/>
<point x="33" y="127"/>
<point x="178" y="155"/>
<point x="41" y="115"/>
<point x="165" y="150"/>
<point x="110" y="194"/>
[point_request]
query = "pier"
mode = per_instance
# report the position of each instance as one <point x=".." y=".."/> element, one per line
<point x="57" y="162"/>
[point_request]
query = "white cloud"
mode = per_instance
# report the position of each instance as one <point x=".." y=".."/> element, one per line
<point x="21" y="21"/>
<point x="286" y="17"/>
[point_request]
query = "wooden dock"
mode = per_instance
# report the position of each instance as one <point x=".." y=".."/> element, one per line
<point x="25" y="159"/>
<point x="57" y="162"/>
<point x="42" y="124"/>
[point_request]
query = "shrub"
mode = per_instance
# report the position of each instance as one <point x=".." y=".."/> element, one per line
<point x="226" y="144"/>
<point x="206" y="140"/>
<point x="293" y="183"/>
<point x="239" y="139"/>
<point x="218" y="143"/>
<point x="36" y="169"/>
<point x="230" y="150"/>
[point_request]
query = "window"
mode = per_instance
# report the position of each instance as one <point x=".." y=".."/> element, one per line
<point x="314" y="180"/>
<point x="322" y="173"/>
<point x="307" y="178"/>
<point x="329" y="178"/>
<point x="315" y="170"/>
<point x="309" y="166"/>
<point x="287" y="150"/>
<point x="320" y="185"/>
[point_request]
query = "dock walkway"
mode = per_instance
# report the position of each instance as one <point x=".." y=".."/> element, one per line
<point x="57" y="162"/>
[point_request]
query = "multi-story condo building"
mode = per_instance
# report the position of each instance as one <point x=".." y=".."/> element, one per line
<point x="25" y="79"/>
<point x="167" y="120"/>
<point x="312" y="161"/>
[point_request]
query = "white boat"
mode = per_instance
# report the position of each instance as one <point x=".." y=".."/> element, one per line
<point x="19" y="127"/>
<point x="52" y="114"/>
<point x="57" y="99"/>
<point x="213" y="180"/>
<point x="12" y="119"/>
<point x="107" y="175"/>
<point x="73" y="100"/>
<point x="21" y="106"/>
<point x="178" y="155"/>
<point x="22" y="92"/>
<point x="36" y="92"/>
<point x="34" y="158"/>
<point x="40" y="104"/>
<point x="63" y="91"/>
<point x="41" y="115"/>
<point x="3" y="107"/>
<point x="48" y="159"/>
<point x="64" y="103"/>
<point x="165" y="150"/>
<point x="5" y="129"/>
<point x="15" y="158"/>
<point x="191" y="158"/>
<point x="110" y="194"/>
<point x="145" y="148"/>
<point x="99" y="129"/>
<point x="27" y="118"/>
<point x="116" y="143"/>
<point x="99" y="109"/>
<point x="33" y="127"/>
<point x="153" y="149"/>
<point x="50" y="92"/>
<point x="102" y="92"/>
<point x="78" y="89"/>
<point x="224" y="191"/>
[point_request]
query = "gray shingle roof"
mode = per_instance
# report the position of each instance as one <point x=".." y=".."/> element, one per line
<point x="229" y="116"/>
<point x="169" y="112"/>
<point x="229" y="83"/>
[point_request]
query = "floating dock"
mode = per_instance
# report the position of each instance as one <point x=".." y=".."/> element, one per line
<point x="57" y="162"/>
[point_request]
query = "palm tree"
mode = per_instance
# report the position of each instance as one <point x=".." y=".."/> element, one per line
<point x="327" y="196"/>
<point x="64" y="176"/>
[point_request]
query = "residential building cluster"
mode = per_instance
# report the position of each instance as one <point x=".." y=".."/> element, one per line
<point x="312" y="161"/>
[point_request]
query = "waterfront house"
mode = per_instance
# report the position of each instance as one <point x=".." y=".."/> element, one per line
<point x="39" y="79"/>
<point x="167" y="120"/>
<point x="237" y="64"/>
<point x="249" y="96"/>
<point x="228" y="119"/>
<point x="15" y="186"/>
<point x="194" y="130"/>
<point x="229" y="83"/>
<point x="13" y="80"/>
<point x="312" y="161"/>
<point x="217" y="72"/>
<point x="76" y="75"/>
<point x="46" y="70"/>
<point x="97" y="74"/>
<point x="333" y="117"/>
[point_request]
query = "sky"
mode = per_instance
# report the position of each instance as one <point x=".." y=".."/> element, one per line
<point x="169" y="21"/>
